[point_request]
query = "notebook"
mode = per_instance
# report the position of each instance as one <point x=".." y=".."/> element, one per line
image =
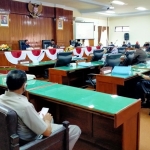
<point x="123" y="70"/>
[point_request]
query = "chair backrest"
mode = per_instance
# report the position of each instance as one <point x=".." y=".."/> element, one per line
<point x="63" y="59"/>
<point x="46" y="43"/>
<point x="121" y="50"/>
<point x="72" y="42"/>
<point x="97" y="55"/>
<point x="113" y="60"/>
<point x="21" y="43"/>
<point x="8" y="129"/>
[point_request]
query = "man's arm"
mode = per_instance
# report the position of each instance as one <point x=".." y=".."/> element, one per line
<point x="144" y="76"/>
<point x="47" y="119"/>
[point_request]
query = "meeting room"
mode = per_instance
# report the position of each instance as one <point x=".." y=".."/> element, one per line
<point x="74" y="75"/>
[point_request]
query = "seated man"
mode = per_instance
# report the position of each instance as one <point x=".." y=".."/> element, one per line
<point x="124" y="44"/>
<point x="30" y="125"/>
<point x="78" y="43"/>
<point x="25" y="45"/>
<point x="139" y="56"/>
<point x="53" y="44"/>
<point x="142" y="88"/>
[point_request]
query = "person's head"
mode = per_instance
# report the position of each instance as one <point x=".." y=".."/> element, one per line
<point x="146" y="45"/>
<point x="16" y="81"/>
<point x="124" y="42"/>
<point x="52" y="41"/>
<point x="26" y="42"/>
<point x="137" y="46"/>
<point x="111" y="42"/>
<point x="78" y="40"/>
<point x="137" y="43"/>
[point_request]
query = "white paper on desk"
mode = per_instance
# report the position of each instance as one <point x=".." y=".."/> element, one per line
<point x="24" y="62"/>
<point x="86" y="64"/>
<point x="30" y="76"/>
<point x="107" y="71"/>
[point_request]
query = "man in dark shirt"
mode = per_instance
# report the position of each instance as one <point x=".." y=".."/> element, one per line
<point x="139" y="56"/>
<point x="78" y="43"/>
<point x="124" y="44"/>
<point x="25" y="45"/>
<point x="53" y="44"/>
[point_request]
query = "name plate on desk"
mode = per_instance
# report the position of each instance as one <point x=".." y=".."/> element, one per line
<point x="24" y="62"/>
<point x="106" y="70"/>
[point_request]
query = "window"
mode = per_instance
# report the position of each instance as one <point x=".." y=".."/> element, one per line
<point x="122" y="29"/>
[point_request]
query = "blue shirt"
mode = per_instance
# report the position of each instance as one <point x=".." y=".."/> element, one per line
<point x="24" y="46"/>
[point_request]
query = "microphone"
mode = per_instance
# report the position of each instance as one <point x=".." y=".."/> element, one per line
<point x="41" y="54"/>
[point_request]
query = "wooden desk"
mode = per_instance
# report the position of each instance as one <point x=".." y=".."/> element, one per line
<point x="107" y="122"/>
<point x="64" y="75"/>
<point x="28" y="66"/>
<point x="123" y="85"/>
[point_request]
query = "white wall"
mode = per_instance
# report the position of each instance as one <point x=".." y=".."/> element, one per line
<point x="97" y="22"/>
<point x="139" y="29"/>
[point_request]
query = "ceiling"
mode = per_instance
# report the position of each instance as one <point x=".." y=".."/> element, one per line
<point x="98" y="7"/>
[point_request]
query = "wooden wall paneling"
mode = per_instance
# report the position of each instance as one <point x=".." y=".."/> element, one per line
<point x="59" y="12"/>
<point x="22" y="26"/>
<point x="48" y="12"/>
<point x="91" y="42"/>
<point x="5" y="4"/>
<point x="19" y="8"/>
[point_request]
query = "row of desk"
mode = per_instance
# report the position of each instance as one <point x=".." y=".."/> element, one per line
<point x="108" y="122"/>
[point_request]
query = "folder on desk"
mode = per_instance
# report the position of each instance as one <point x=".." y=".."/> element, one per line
<point x="122" y="70"/>
<point x="84" y="64"/>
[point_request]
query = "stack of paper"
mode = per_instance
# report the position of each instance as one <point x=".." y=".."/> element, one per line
<point x="123" y="70"/>
<point x="30" y="76"/>
<point x="85" y="64"/>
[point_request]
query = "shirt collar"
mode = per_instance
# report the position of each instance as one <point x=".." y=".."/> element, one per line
<point x="13" y="94"/>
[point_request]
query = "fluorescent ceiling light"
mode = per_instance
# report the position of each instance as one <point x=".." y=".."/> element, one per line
<point x="103" y="13"/>
<point x="141" y="8"/>
<point x="110" y="12"/>
<point x="118" y="2"/>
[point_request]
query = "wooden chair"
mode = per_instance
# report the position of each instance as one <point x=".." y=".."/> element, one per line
<point x="9" y="140"/>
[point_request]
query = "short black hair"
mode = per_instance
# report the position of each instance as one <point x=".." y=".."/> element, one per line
<point x="52" y="40"/>
<point x="25" y="40"/>
<point x="15" y="79"/>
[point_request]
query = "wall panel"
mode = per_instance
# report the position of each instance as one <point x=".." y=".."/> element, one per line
<point x="22" y="26"/>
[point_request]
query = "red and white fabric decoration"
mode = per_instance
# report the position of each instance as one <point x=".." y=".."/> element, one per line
<point x="88" y="50"/>
<point x="78" y="51"/>
<point x="35" y="55"/>
<point x="14" y="56"/>
<point x="52" y="53"/>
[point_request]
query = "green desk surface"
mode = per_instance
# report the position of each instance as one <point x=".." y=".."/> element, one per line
<point x="30" y="83"/>
<point x="92" y="100"/>
<point x="42" y="63"/>
<point x="133" y="73"/>
<point x="142" y="66"/>
<point x="78" y="67"/>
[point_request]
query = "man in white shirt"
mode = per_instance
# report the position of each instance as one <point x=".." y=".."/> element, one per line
<point x="30" y="125"/>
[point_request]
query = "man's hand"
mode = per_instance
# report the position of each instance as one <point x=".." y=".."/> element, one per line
<point x="139" y="74"/>
<point x="47" y="117"/>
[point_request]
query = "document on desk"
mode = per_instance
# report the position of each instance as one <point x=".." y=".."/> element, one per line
<point x="85" y="64"/>
<point x="122" y="70"/>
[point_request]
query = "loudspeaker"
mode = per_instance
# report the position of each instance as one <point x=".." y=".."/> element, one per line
<point x="126" y="36"/>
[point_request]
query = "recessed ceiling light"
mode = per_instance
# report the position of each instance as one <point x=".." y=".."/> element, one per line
<point x="118" y="2"/>
<point x="110" y="12"/>
<point x="141" y="8"/>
